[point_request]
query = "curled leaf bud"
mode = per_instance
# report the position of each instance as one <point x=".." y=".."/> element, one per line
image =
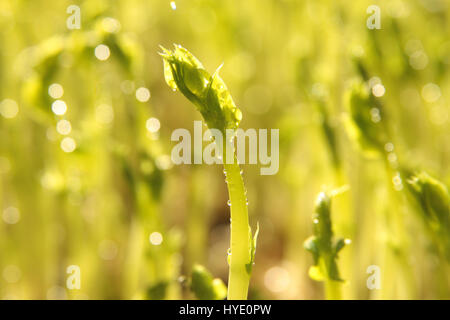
<point x="208" y="93"/>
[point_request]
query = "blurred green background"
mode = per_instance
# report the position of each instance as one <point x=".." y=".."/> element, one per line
<point x="86" y="118"/>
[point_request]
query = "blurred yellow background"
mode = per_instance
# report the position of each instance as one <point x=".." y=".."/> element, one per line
<point x="86" y="177"/>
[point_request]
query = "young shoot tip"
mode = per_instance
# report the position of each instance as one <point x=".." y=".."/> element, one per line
<point x="340" y="190"/>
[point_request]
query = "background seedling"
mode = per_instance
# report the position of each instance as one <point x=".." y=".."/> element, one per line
<point x="324" y="248"/>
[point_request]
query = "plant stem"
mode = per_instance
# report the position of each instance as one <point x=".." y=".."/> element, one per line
<point x="397" y="243"/>
<point x="333" y="290"/>
<point x="332" y="287"/>
<point x="239" y="276"/>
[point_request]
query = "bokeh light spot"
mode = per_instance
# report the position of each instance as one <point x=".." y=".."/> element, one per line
<point x="431" y="92"/>
<point x="11" y="215"/>
<point x="156" y="238"/>
<point x="277" y="279"/>
<point x="378" y="90"/>
<point x="102" y="52"/>
<point x="55" y="91"/>
<point x="59" y="107"/>
<point x="9" y="108"/>
<point x="68" y="144"/>
<point x="142" y="94"/>
<point x="63" y="127"/>
<point x="153" y="125"/>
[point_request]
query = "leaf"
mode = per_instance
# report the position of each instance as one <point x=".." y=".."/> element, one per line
<point x="433" y="197"/>
<point x="340" y="244"/>
<point x="316" y="274"/>
<point x="333" y="271"/>
<point x="253" y="241"/>
<point x="205" y="287"/>
<point x="183" y="71"/>
<point x="158" y="291"/>
<point x="311" y="246"/>
<point x="168" y="75"/>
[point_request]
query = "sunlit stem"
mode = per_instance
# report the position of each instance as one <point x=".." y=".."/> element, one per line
<point x="333" y="290"/>
<point x="239" y="276"/>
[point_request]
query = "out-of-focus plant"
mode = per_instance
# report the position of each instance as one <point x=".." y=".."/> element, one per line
<point x="367" y="125"/>
<point x="434" y="201"/>
<point x="324" y="248"/>
<point x="329" y="131"/>
<point x="42" y="64"/>
<point x="364" y="124"/>
<point x="204" y="286"/>
<point x="209" y="94"/>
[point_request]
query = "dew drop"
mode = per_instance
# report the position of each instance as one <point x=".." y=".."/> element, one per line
<point x="229" y="203"/>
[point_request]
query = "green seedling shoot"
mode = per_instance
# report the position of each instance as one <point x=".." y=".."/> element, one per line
<point x="324" y="249"/>
<point x="210" y="95"/>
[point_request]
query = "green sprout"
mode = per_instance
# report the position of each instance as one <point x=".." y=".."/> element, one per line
<point x="209" y="94"/>
<point x="434" y="200"/>
<point x="324" y="249"/>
